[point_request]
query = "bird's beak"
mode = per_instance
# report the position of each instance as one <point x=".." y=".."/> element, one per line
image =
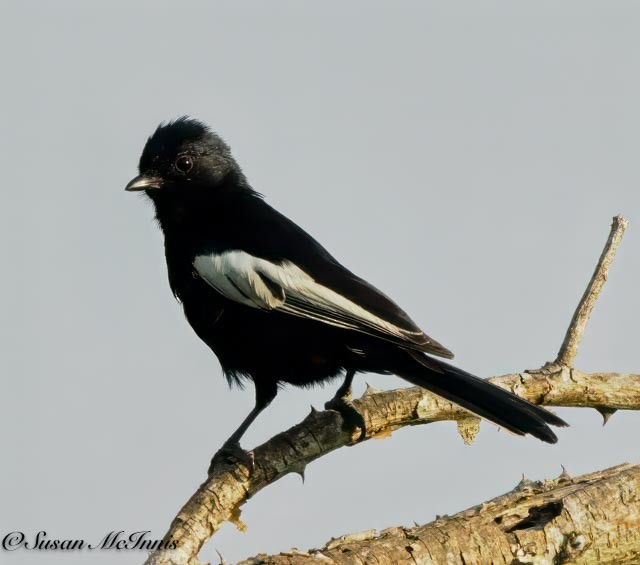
<point x="144" y="182"/>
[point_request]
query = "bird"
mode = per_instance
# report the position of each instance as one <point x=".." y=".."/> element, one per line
<point x="276" y="307"/>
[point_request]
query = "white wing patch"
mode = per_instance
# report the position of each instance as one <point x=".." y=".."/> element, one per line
<point x="259" y="283"/>
<point x="235" y="274"/>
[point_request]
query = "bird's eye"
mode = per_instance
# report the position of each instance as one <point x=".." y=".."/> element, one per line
<point x="184" y="163"/>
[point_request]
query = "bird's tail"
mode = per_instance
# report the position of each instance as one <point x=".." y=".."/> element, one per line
<point x="481" y="397"/>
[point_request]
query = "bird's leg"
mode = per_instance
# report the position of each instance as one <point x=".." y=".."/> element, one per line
<point x="231" y="450"/>
<point x="341" y="403"/>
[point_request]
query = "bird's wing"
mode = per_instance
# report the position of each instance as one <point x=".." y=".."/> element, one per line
<point x="337" y="297"/>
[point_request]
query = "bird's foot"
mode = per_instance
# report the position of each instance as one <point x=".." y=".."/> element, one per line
<point x="231" y="454"/>
<point x="351" y="418"/>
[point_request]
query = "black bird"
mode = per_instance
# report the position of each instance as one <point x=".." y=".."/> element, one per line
<point x="275" y="306"/>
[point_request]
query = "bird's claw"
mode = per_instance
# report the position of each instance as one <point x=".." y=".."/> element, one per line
<point x="231" y="454"/>
<point x="351" y="418"/>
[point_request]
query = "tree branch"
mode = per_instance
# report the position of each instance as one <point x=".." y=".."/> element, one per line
<point x="569" y="348"/>
<point x="594" y="518"/>
<point x="220" y="497"/>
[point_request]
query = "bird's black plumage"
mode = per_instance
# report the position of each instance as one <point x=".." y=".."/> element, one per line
<point x="273" y="304"/>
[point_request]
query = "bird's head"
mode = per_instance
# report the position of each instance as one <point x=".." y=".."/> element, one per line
<point x="183" y="155"/>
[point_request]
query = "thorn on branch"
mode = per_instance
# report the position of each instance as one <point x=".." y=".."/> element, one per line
<point x="564" y="476"/>
<point x="370" y="390"/>
<point x="526" y="483"/>
<point x="299" y="470"/>
<point x="606" y="414"/>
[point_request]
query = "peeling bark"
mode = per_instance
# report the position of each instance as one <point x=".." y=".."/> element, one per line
<point x="594" y="518"/>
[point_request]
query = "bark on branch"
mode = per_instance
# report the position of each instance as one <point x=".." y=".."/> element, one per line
<point x="594" y="518"/>
<point x="220" y="497"/>
<point x="569" y="348"/>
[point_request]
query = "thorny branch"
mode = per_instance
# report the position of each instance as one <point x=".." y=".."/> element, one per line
<point x="594" y="518"/>
<point x="220" y="497"/>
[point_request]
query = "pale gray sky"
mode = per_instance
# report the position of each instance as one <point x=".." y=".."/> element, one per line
<point x="464" y="157"/>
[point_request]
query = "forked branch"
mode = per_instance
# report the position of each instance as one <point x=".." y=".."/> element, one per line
<point x="221" y="496"/>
